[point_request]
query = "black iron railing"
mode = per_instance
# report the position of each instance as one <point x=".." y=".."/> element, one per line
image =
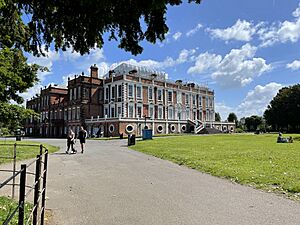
<point x="37" y="213"/>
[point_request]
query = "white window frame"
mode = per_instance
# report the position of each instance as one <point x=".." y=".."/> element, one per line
<point x="112" y="109"/>
<point x="162" y="112"/>
<point x="130" y="96"/>
<point x="106" y="93"/>
<point x="170" y="113"/>
<point x="112" y="92"/>
<point x="150" y="97"/>
<point x="170" y="91"/>
<point x="141" y="92"/>
<point x="139" y="106"/>
<point x="161" y="95"/>
<point x="133" y="110"/>
<point x="151" y="115"/>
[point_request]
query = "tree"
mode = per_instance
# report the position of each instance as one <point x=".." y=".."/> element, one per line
<point x="232" y="117"/>
<point x="13" y="116"/>
<point x="283" y="111"/>
<point x="217" y="117"/>
<point x="16" y="75"/>
<point x="253" y="122"/>
<point x="82" y="24"/>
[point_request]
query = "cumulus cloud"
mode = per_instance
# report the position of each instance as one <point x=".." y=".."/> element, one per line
<point x="205" y="62"/>
<point x="236" y="69"/>
<point x="223" y="110"/>
<point x="194" y="30"/>
<point x="281" y="32"/>
<point x="184" y="56"/>
<point x="295" y="65"/>
<point x="257" y="100"/>
<point x="177" y="35"/>
<point x="45" y="61"/>
<point x="242" y="30"/>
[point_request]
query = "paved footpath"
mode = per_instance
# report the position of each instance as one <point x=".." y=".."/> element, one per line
<point x="112" y="185"/>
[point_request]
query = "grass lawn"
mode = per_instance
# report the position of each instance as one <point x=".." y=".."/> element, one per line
<point x="255" y="160"/>
<point x="7" y="206"/>
<point x="23" y="152"/>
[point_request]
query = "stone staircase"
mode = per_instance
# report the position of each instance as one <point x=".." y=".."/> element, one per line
<point x="198" y="125"/>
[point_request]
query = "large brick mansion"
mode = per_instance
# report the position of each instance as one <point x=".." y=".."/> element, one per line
<point x="126" y="100"/>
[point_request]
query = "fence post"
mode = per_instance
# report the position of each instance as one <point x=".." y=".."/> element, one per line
<point x="44" y="186"/>
<point x="22" y="195"/>
<point x="41" y="149"/>
<point x="36" y="188"/>
<point x="14" y="170"/>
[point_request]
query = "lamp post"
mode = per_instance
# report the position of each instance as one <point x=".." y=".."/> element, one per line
<point x="146" y="117"/>
<point x="105" y="131"/>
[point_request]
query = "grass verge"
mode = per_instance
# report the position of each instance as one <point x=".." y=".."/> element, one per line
<point x="255" y="160"/>
<point x="7" y="207"/>
<point x="23" y="152"/>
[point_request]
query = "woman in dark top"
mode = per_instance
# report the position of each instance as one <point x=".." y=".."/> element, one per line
<point x="70" y="141"/>
<point x="82" y="136"/>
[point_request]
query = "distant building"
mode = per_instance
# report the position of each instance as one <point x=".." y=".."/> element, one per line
<point x="126" y="100"/>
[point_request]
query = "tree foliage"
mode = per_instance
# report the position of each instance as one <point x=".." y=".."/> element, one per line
<point x="16" y="75"/>
<point x="82" y="24"/>
<point x="253" y="122"/>
<point x="217" y="117"/>
<point x="232" y="117"/>
<point x="13" y="116"/>
<point x="284" y="109"/>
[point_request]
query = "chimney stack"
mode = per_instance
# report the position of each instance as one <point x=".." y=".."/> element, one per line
<point x="94" y="71"/>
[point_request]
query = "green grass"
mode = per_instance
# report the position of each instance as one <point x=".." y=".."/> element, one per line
<point x="7" y="206"/>
<point x="255" y="160"/>
<point x="23" y="152"/>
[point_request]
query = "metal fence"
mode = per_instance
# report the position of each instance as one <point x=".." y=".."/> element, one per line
<point x="37" y="213"/>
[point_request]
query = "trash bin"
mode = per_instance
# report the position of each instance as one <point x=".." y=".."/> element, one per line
<point x="147" y="134"/>
<point x="18" y="134"/>
<point x="131" y="139"/>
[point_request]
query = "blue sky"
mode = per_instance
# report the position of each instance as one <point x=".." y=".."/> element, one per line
<point x="244" y="50"/>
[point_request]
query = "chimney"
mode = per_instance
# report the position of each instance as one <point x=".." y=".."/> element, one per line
<point x="94" y="71"/>
<point x="111" y="73"/>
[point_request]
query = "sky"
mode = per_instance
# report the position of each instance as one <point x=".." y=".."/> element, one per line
<point x="243" y="50"/>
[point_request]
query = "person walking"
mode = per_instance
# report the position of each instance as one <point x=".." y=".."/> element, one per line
<point x="70" y="141"/>
<point x="82" y="135"/>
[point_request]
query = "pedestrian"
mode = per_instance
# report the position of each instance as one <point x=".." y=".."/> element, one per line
<point x="70" y="141"/>
<point x="82" y="136"/>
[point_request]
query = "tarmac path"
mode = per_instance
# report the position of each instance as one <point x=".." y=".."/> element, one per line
<point x="112" y="185"/>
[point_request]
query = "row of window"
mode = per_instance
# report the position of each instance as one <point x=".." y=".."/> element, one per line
<point x="67" y="114"/>
<point x="172" y="113"/>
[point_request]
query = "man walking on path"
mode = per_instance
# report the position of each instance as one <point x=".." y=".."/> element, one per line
<point x="82" y="136"/>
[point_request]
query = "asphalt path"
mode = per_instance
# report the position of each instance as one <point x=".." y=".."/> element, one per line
<point x="112" y="185"/>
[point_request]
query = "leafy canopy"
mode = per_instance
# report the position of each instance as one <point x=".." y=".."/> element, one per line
<point x="81" y="24"/>
<point x="284" y="110"/>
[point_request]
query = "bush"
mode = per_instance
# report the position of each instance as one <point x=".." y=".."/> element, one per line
<point x="239" y="130"/>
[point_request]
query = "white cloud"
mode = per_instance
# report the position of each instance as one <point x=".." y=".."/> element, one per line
<point x="236" y="69"/>
<point x="257" y="100"/>
<point x="242" y="30"/>
<point x="223" y="110"/>
<point x="45" y="61"/>
<point x="96" y="56"/>
<point x="194" y="30"/>
<point x="205" y="62"/>
<point x="184" y="56"/>
<point x="177" y="35"/>
<point x="282" y="32"/>
<point x="295" y="65"/>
